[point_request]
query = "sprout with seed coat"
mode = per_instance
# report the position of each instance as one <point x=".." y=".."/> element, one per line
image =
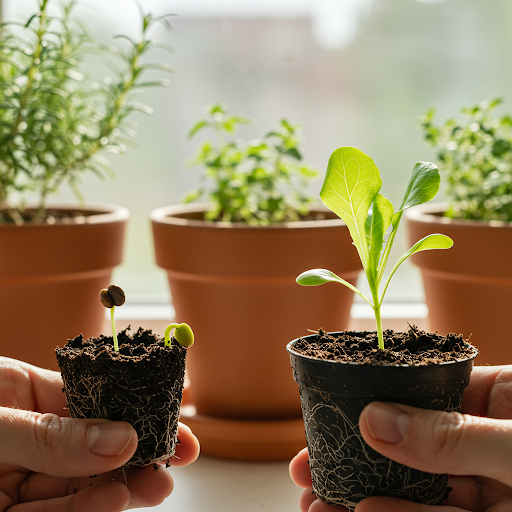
<point x="111" y="297"/>
<point x="183" y="334"/>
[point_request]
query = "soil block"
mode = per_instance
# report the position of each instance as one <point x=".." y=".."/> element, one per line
<point x="340" y="373"/>
<point x="141" y="384"/>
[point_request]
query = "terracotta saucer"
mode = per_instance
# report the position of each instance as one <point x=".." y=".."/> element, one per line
<point x="245" y="439"/>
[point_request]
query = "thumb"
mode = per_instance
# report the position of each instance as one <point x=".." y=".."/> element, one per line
<point x="439" y="442"/>
<point x="47" y="443"/>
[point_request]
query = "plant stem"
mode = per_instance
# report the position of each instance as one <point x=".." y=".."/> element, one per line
<point x="114" y="334"/>
<point x="376" y="308"/>
<point x="167" y="333"/>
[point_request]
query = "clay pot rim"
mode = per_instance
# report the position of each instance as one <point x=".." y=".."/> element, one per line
<point x="432" y="213"/>
<point x="332" y="364"/>
<point x="169" y="215"/>
<point x="101" y="213"/>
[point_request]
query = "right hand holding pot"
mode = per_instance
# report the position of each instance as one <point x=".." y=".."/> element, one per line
<point x="475" y="446"/>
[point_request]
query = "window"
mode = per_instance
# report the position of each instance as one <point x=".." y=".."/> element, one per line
<point x="354" y="72"/>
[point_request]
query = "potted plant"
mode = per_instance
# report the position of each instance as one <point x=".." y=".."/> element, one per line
<point x="54" y="126"/>
<point x="340" y="373"/>
<point x="468" y="290"/>
<point x="229" y="264"/>
<point x="137" y="378"/>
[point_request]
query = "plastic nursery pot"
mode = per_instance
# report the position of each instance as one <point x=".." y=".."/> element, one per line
<point x="141" y="384"/>
<point x="344" y="469"/>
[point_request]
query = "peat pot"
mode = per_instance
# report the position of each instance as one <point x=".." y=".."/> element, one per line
<point x="234" y="284"/>
<point x="344" y="468"/>
<point x="141" y="384"/>
<point x="468" y="288"/>
<point x="50" y="277"/>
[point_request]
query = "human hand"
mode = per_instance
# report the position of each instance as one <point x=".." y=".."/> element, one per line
<point x="50" y="462"/>
<point x="474" y="446"/>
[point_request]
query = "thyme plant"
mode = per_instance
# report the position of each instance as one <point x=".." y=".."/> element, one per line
<point x="257" y="182"/>
<point x="475" y="156"/>
<point x="54" y="122"/>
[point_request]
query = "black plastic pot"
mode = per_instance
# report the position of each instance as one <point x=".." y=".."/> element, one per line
<point x="344" y="468"/>
<point x="141" y="384"/>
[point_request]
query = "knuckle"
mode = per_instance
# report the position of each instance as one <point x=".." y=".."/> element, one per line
<point x="447" y="435"/>
<point x="48" y="433"/>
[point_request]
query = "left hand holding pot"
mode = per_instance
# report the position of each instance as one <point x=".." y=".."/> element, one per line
<point x="49" y="461"/>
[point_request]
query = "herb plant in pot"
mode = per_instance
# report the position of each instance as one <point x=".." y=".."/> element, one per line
<point x="340" y="373"/>
<point x="54" y="125"/>
<point x="469" y="290"/>
<point x="231" y="265"/>
<point x="137" y="378"/>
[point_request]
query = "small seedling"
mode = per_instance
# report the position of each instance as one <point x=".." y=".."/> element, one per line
<point x="111" y="297"/>
<point x="351" y="190"/>
<point x="183" y="334"/>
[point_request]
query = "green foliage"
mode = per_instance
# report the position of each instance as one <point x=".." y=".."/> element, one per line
<point x="54" y="123"/>
<point x="475" y="156"/>
<point x="351" y="190"/>
<point x="257" y="182"/>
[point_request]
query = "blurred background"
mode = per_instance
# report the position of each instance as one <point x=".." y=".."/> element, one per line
<point x="352" y="72"/>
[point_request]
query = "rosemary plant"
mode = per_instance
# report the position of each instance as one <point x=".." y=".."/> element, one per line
<point x="54" y="122"/>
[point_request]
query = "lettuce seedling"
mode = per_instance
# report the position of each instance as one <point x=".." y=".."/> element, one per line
<point x="183" y="334"/>
<point x="351" y="190"/>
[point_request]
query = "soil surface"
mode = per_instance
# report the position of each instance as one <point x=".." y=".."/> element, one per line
<point x="412" y="347"/>
<point x="51" y="216"/>
<point x="141" y="384"/>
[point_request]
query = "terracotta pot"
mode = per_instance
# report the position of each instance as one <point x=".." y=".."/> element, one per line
<point x="468" y="287"/>
<point x="344" y="469"/>
<point x="50" y="277"/>
<point x="235" y="286"/>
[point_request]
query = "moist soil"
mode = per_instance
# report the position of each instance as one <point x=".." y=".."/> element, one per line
<point x="141" y="384"/>
<point x="412" y="347"/>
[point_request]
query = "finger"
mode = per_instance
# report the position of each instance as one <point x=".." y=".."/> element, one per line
<point x="478" y="394"/>
<point x="28" y="387"/>
<point x="47" y="443"/>
<point x="306" y="498"/>
<point x="187" y="449"/>
<point x="149" y="486"/>
<point x="381" y="504"/>
<point x="299" y="469"/>
<point x="106" y="497"/>
<point x="320" y="506"/>
<point x="439" y="442"/>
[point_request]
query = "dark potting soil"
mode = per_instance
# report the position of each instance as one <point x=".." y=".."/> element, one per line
<point x="141" y="384"/>
<point x="412" y="347"/>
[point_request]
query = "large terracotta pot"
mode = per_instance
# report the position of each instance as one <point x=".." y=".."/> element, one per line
<point x="235" y="285"/>
<point x="50" y="277"/>
<point x="468" y="288"/>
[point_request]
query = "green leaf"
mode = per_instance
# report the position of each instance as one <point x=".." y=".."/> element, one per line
<point x="378" y="222"/>
<point x="435" y="241"/>
<point x="351" y="184"/>
<point x="198" y="126"/>
<point x="423" y="185"/>
<point x="318" y="276"/>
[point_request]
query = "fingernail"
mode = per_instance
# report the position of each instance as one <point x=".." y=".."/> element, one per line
<point x="386" y="422"/>
<point x="109" y="439"/>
